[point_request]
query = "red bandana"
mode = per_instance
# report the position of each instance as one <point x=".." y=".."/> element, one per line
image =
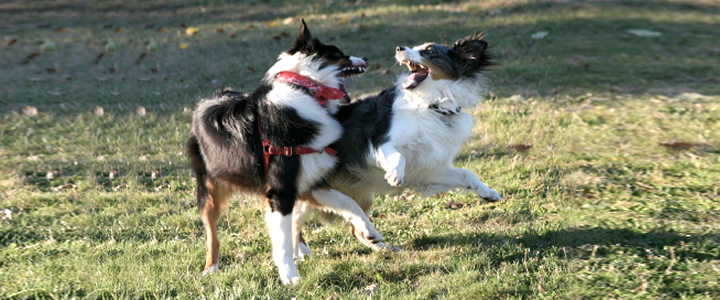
<point x="322" y="93"/>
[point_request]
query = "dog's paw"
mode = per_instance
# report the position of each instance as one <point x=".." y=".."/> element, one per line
<point x="385" y="247"/>
<point x="302" y="251"/>
<point x="211" y="270"/>
<point x="488" y="194"/>
<point x="394" y="177"/>
<point x="290" y="280"/>
<point x="366" y="234"/>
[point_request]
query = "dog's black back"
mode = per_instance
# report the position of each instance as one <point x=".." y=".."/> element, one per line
<point x="365" y="122"/>
<point x="226" y="144"/>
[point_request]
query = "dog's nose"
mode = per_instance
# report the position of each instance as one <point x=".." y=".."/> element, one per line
<point x="399" y="48"/>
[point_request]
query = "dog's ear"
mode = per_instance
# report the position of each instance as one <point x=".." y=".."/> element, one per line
<point x="471" y="47"/>
<point x="304" y="40"/>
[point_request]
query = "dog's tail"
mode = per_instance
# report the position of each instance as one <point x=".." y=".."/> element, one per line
<point x="193" y="151"/>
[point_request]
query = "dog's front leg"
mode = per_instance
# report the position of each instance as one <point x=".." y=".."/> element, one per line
<point x="462" y="178"/>
<point x="280" y="227"/>
<point x="333" y="201"/>
<point x="392" y="162"/>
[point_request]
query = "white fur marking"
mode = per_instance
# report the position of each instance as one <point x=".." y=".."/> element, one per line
<point x="280" y="228"/>
<point x="211" y="270"/>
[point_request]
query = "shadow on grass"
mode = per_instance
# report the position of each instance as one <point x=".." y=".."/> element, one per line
<point x="573" y="238"/>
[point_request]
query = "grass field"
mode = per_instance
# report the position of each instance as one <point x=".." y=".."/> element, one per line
<point x="603" y="141"/>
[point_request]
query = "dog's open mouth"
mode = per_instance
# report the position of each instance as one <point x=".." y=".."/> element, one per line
<point x="348" y="72"/>
<point x="418" y="73"/>
<point x="353" y="70"/>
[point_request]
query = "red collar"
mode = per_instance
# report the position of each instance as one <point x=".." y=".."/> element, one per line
<point x="322" y="93"/>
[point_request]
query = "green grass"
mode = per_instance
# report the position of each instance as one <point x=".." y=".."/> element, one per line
<point x="609" y="170"/>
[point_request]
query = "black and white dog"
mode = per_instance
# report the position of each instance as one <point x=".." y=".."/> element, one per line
<point x="274" y="142"/>
<point x="408" y="135"/>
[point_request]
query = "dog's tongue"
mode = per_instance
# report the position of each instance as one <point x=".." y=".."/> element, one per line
<point x="346" y="98"/>
<point x="414" y="79"/>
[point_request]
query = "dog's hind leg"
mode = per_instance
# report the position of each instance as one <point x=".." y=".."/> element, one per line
<point x="300" y="214"/>
<point x="452" y="178"/>
<point x="210" y="205"/>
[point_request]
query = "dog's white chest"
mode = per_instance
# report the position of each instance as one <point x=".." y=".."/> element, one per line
<point x="428" y="139"/>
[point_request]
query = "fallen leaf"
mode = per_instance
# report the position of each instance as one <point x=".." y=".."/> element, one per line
<point x="452" y="205"/>
<point x="162" y="29"/>
<point x="288" y="21"/>
<point x="140" y="110"/>
<point x="220" y="30"/>
<point x="30" y="57"/>
<point x="690" y="96"/>
<point x="191" y="31"/>
<point x="63" y="187"/>
<point x="30" y="111"/>
<point x="51" y="174"/>
<point x="62" y="29"/>
<point x="152" y="46"/>
<point x="119" y="29"/>
<point x="48" y="46"/>
<point x="11" y="42"/>
<point x="141" y="57"/>
<point x="343" y="20"/>
<point x="334" y="297"/>
<point x="99" y="111"/>
<point x="644" y="32"/>
<point x="110" y="46"/>
<point x="370" y="289"/>
<point x="539" y="35"/>
<point x="7" y="214"/>
<point x="99" y="57"/>
<point x="271" y="23"/>
<point x="183" y="46"/>
<point x="521" y="148"/>
<point x="681" y="146"/>
<point x="120" y="187"/>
